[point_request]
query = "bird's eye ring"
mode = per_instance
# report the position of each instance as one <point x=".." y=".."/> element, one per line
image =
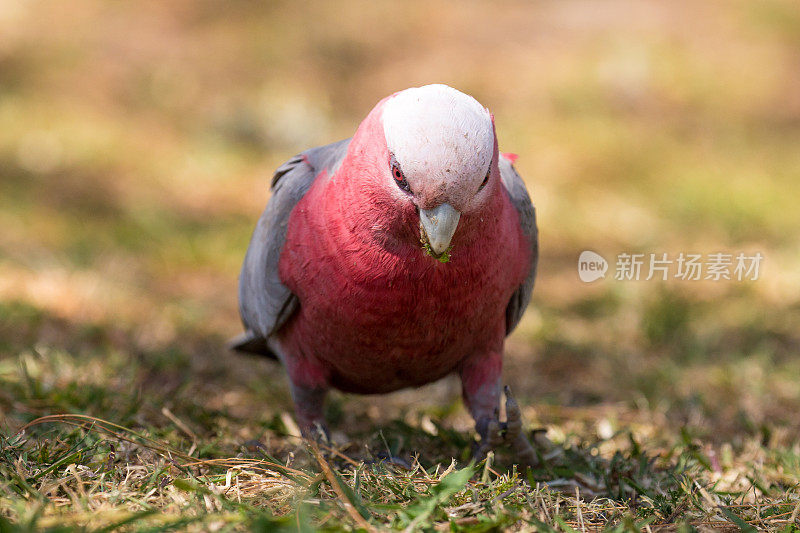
<point x="399" y="178"/>
<point x="485" y="179"/>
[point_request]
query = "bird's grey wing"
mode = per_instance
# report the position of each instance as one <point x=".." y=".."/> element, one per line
<point x="265" y="303"/>
<point x="518" y="194"/>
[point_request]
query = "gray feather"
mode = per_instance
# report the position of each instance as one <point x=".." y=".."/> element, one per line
<point x="265" y="303"/>
<point x="518" y="195"/>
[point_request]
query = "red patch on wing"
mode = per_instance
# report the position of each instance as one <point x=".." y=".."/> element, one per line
<point x="511" y="157"/>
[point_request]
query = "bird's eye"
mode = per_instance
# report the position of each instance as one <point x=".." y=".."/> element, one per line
<point x="399" y="178"/>
<point x="485" y="179"/>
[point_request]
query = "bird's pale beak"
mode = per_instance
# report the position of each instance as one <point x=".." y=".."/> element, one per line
<point x="439" y="225"/>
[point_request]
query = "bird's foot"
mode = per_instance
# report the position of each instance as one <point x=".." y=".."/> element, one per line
<point x="514" y="436"/>
<point x="490" y="432"/>
<point x="317" y="432"/>
<point x="495" y="433"/>
<point x="319" y="442"/>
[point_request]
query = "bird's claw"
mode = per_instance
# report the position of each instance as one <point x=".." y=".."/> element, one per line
<point x="495" y="433"/>
<point x="514" y="435"/>
<point x="508" y="433"/>
<point x="317" y="432"/>
<point x="491" y="437"/>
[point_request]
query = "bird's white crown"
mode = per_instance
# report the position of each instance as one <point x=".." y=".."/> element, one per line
<point x="436" y="129"/>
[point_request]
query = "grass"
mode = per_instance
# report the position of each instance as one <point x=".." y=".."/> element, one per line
<point x="135" y="150"/>
<point x="79" y="470"/>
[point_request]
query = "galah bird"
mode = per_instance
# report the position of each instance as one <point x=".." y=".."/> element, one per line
<point x="395" y="258"/>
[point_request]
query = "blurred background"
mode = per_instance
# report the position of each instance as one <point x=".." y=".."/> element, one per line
<point x="137" y="140"/>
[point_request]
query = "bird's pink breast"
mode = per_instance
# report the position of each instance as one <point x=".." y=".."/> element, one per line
<point x="375" y="318"/>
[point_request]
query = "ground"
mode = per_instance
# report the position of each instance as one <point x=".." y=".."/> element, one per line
<point x="136" y="144"/>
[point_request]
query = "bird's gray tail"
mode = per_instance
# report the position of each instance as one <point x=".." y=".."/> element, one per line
<point x="252" y="343"/>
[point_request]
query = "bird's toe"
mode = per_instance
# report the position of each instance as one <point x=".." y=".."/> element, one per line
<point x="525" y="453"/>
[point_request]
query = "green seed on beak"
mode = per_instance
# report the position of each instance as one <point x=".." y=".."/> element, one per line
<point x="436" y="228"/>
